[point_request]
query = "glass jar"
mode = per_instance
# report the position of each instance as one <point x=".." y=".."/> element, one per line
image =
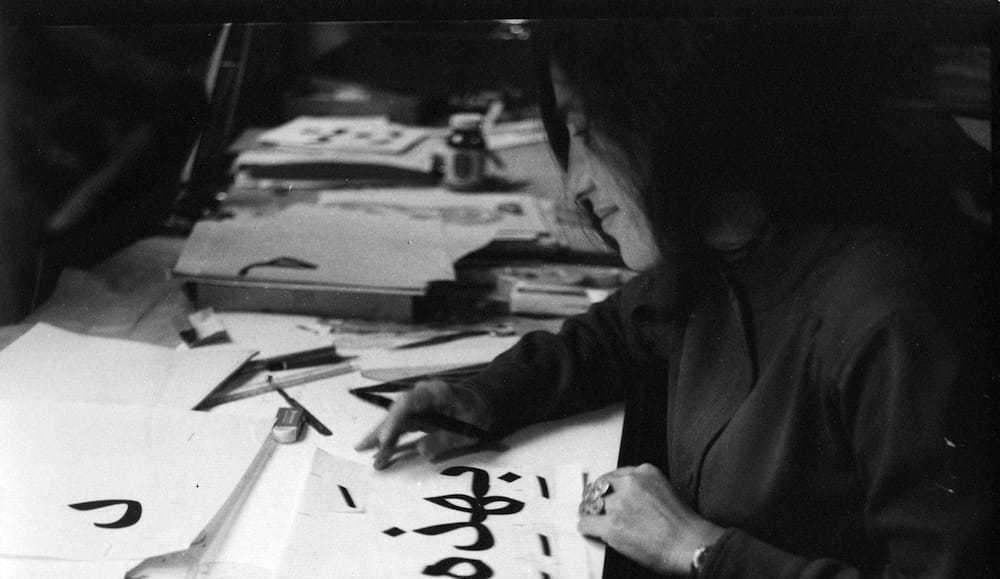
<point x="465" y="159"/>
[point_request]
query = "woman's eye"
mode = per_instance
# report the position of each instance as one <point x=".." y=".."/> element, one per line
<point x="576" y="130"/>
<point x="581" y="132"/>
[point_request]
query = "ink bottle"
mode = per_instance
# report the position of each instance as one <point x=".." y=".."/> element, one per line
<point x="465" y="160"/>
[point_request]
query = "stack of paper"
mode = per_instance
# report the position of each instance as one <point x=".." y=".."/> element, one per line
<point x="303" y="244"/>
<point x="357" y="254"/>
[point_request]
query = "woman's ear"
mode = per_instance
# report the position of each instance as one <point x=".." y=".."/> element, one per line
<point x="734" y="216"/>
<point x="81" y="200"/>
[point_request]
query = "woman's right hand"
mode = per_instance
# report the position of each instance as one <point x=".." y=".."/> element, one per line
<point x="455" y="401"/>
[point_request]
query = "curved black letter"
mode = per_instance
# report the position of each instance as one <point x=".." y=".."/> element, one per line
<point x="444" y="568"/>
<point x="133" y="511"/>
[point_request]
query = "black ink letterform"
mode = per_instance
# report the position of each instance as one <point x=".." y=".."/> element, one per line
<point x="478" y="506"/>
<point x="446" y="568"/>
<point x="133" y="511"/>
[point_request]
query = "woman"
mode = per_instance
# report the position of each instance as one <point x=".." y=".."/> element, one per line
<point x="804" y="359"/>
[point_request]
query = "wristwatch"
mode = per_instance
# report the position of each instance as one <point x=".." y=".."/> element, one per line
<point x="698" y="560"/>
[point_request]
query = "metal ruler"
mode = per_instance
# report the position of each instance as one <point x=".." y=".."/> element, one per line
<point x="189" y="562"/>
<point x="273" y="384"/>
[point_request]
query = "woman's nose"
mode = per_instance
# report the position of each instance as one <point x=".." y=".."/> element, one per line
<point x="577" y="181"/>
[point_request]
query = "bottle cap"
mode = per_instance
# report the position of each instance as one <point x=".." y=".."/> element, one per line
<point x="465" y="121"/>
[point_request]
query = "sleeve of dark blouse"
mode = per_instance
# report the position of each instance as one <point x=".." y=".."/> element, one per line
<point x="916" y="406"/>
<point x="584" y="366"/>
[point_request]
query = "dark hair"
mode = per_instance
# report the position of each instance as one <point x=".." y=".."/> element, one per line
<point x="790" y="111"/>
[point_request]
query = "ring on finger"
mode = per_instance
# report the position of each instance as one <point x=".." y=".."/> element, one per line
<point x="597" y="489"/>
<point x="592" y="506"/>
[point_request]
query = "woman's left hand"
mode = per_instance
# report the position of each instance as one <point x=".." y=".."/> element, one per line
<point x="644" y="519"/>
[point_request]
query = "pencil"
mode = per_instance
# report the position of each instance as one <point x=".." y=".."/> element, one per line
<point x="431" y="418"/>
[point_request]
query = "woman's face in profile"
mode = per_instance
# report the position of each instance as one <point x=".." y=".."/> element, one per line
<point x="591" y="179"/>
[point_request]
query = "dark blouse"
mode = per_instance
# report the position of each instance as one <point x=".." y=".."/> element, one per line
<point x="826" y="399"/>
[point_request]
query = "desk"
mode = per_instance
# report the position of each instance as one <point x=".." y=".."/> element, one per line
<point x="130" y="296"/>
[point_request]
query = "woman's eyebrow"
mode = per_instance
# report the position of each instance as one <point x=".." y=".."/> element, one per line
<point x="566" y="108"/>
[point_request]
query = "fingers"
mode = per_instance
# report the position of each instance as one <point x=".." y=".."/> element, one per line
<point x="605" y="524"/>
<point x="593" y="526"/>
<point x="403" y="416"/>
<point x="624" y="472"/>
<point x="398" y="422"/>
<point x="605" y="482"/>
<point x="441" y="441"/>
<point x="618" y="473"/>
<point x="596" y="526"/>
<point x="637" y="512"/>
<point x="601" y="496"/>
<point x="369" y="441"/>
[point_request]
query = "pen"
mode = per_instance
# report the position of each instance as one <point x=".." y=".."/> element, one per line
<point x="504" y="330"/>
<point x="407" y="375"/>
<point x="432" y="418"/>
<point x="303" y="359"/>
<point x="309" y="417"/>
<point x="442" y="339"/>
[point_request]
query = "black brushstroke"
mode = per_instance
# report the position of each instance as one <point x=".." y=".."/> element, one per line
<point x="347" y="497"/>
<point x="133" y="511"/>
<point x="546" y="550"/>
<point x="443" y="568"/>
<point x="478" y="505"/>
<point x="544" y="485"/>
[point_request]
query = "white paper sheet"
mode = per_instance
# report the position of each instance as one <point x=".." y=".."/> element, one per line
<point x="275" y="334"/>
<point x="360" y="134"/>
<point x="469" y="521"/>
<point x="501" y="216"/>
<point x="29" y="568"/>
<point x="54" y="364"/>
<point x="163" y="474"/>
